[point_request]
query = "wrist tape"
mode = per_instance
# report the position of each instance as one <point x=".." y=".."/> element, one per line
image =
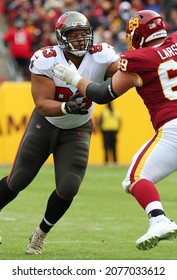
<point x="63" y="108"/>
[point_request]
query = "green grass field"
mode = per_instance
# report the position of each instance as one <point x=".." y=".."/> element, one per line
<point x="103" y="223"/>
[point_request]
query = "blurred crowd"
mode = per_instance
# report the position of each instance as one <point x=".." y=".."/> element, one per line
<point x="33" y="22"/>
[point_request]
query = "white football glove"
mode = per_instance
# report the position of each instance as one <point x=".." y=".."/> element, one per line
<point x="66" y="73"/>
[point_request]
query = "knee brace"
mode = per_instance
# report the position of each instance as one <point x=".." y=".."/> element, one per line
<point x="69" y="186"/>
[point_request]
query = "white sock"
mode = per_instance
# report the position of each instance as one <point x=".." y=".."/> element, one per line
<point x="40" y="232"/>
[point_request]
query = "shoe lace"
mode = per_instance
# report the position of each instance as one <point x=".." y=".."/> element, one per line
<point x="37" y="241"/>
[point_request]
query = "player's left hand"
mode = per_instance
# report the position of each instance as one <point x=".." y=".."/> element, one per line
<point x="68" y="74"/>
<point x="74" y="105"/>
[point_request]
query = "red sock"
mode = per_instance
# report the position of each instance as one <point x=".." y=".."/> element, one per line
<point x="145" y="192"/>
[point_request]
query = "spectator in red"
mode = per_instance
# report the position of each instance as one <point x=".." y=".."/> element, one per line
<point x="19" y="41"/>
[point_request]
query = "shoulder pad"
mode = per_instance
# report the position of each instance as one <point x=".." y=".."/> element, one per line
<point x="42" y="62"/>
<point x="102" y="53"/>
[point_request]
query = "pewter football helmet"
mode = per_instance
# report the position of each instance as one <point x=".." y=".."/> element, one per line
<point x="73" y="21"/>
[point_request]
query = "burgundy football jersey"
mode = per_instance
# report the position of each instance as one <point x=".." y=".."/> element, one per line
<point x="157" y="69"/>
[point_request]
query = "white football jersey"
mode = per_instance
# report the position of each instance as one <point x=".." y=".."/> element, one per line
<point x="93" y="67"/>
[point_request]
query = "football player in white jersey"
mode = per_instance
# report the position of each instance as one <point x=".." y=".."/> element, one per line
<point x="61" y="121"/>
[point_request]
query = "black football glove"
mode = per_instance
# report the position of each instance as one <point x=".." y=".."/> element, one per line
<point x="73" y="106"/>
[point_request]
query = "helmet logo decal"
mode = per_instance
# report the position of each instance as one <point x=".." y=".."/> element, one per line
<point x="61" y="22"/>
<point x="79" y="23"/>
<point x="133" y="23"/>
<point x="152" y="25"/>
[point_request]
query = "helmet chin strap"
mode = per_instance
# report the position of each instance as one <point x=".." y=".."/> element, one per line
<point x="78" y="53"/>
<point x="142" y="42"/>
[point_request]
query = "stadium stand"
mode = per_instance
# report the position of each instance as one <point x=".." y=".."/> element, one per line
<point x="108" y="18"/>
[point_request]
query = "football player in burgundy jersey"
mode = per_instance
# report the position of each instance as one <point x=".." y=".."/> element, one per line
<point x="150" y="65"/>
<point x="61" y="122"/>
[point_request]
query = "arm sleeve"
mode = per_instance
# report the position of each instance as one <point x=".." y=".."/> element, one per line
<point x="101" y="93"/>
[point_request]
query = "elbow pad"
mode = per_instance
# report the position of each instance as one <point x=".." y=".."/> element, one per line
<point x="101" y="93"/>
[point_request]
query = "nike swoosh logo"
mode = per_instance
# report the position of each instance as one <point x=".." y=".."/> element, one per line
<point x="80" y="132"/>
